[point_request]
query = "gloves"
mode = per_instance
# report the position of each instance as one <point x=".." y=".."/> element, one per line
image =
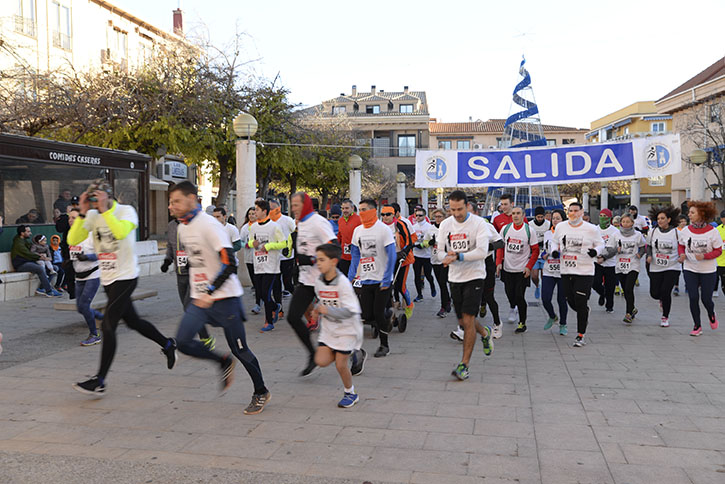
<point x="401" y="256"/>
<point x="82" y="257"/>
<point x="285" y="252"/>
<point x="555" y="254"/>
<point x="164" y="266"/>
<point x="432" y="241"/>
<point x="304" y="260"/>
<point x="592" y="253"/>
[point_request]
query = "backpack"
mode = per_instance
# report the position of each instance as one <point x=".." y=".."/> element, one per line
<point x="528" y="231"/>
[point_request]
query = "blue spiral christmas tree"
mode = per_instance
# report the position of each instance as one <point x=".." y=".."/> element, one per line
<point x="523" y="128"/>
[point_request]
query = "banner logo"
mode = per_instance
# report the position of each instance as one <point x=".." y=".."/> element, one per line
<point x="436" y="169"/>
<point x="658" y="156"/>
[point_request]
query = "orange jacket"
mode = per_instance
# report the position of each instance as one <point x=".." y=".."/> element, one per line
<point x="404" y="241"/>
<point x="344" y="234"/>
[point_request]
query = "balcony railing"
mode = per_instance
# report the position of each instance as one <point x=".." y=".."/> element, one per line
<point x="61" y="40"/>
<point x="25" y="25"/>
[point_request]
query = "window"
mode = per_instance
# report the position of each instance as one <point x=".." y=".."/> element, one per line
<point x="338" y="110"/>
<point x="25" y="17"/>
<point x="568" y="141"/>
<point x="61" y="25"/>
<point x="626" y="130"/>
<point x="372" y="109"/>
<point x="406" y="108"/>
<point x="715" y="113"/>
<point x="406" y="145"/>
<point x="502" y="143"/>
<point x="463" y="145"/>
<point x="444" y="145"/>
<point x="409" y="171"/>
<point x="658" y="127"/>
<point x="550" y="142"/>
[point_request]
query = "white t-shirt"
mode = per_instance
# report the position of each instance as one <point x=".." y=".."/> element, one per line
<point x="540" y="230"/>
<point x="607" y="235"/>
<point x="116" y="258"/>
<point x="233" y="236"/>
<point x="248" y="252"/>
<point x="266" y="262"/>
<point x="469" y="238"/>
<point x="493" y="235"/>
<point x="700" y="244"/>
<point x="664" y="250"/>
<point x="423" y="231"/>
<point x="288" y="226"/>
<point x="434" y="260"/>
<point x="79" y="266"/>
<point x="204" y="238"/>
<point x="573" y="244"/>
<point x="552" y="267"/>
<point x="311" y="233"/>
<point x="640" y="222"/>
<point x="627" y="247"/>
<point x="340" y="334"/>
<point x="517" y="247"/>
<point x="373" y="256"/>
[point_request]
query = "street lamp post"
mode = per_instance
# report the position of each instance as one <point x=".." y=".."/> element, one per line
<point x="400" y="178"/>
<point x="355" y="178"/>
<point x="585" y="198"/>
<point x="244" y="127"/>
<point x="604" y="197"/>
<point x="634" y="193"/>
<point x="697" y="176"/>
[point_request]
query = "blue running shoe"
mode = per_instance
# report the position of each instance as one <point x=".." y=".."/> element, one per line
<point x="348" y="400"/>
<point x="267" y="328"/>
<point x="550" y="322"/>
<point x="563" y="330"/>
<point x="256" y="309"/>
<point x="433" y="292"/>
<point x="275" y="316"/>
<point x="537" y="292"/>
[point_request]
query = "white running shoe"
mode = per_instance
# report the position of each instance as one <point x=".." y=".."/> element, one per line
<point x="457" y="334"/>
<point x="513" y="315"/>
<point x="497" y="332"/>
<point x="665" y="322"/>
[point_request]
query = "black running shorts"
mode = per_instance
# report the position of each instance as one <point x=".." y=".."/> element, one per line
<point x="466" y="297"/>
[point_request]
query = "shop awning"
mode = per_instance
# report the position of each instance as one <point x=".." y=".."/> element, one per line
<point x="623" y="123"/>
<point x="157" y="184"/>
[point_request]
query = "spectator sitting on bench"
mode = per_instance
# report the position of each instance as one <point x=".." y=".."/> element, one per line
<point x="24" y="260"/>
<point x="40" y="247"/>
<point x="32" y="217"/>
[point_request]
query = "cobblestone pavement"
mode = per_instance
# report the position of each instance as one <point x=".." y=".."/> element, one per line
<point x="639" y="404"/>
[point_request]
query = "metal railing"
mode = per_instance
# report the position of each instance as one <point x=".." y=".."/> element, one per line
<point x="61" y="40"/>
<point x="25" y="25"/>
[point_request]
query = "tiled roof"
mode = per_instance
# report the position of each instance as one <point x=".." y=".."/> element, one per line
<point x="373" y="98"/>
<point x="714" y="71"/>
<point x="490" y="126"/>
<point x="321" y="110"/>
<point x="392" y="96"/>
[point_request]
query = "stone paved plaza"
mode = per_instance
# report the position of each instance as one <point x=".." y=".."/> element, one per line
<point x="639" y="404"/>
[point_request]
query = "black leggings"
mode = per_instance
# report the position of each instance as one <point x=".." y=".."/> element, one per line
<point x="257" y="295"/>
<point x="301" y="300"/>
<point x="515" y="285"/>
<point x="489" y="286"/>
<point x="119" y="307"/>
<point x="605" y="281"/>
<point x="577" y="290"/>
<point x="265" y="286"/>
<point x="660" y="288"/>
<point x="423" y="268"/>
<point x="628" y="282"/>
<point x="374" y="303"/>
<point x="720" y="281"/>
<point x="700" y="286"/>
<point x="441" y="273"/>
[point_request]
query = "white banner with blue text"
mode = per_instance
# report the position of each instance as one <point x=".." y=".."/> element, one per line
<point x="617" y="160"/>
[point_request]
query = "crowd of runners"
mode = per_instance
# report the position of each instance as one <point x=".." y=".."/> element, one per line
<point x="352" y="270"/>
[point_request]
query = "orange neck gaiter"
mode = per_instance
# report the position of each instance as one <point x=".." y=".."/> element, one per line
<point x="275" y="214"/>
<point x="369" y="218"/>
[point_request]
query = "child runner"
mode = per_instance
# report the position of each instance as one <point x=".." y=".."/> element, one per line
<point x="627" y="247"/>
<point x="338" y="310"/>
<point x="552" y="278"/>
<point x="662" y="256"/>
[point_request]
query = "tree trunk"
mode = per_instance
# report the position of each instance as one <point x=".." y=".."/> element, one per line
<point x="292" y="185"/>
<point x="325" y="195"/>
<point x="264" y="184"/>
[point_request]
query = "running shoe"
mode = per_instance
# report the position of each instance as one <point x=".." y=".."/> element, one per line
<point x="617" y="291"/>
<point x="209" y="342"/>
<point x="40" y="292"/>
<point x="636" y="283"/>
<point x="409" y="310"/>
<point x="713" y="321"/>
<point x="418" y="299"/>
<point x="433" y="292"/>
<point x="627" y="319"/>
<point x="227" y="365"/>
<point x="358" y="362"/>
<point x="676" y="291"/>
<point x="348" y="400"/>
<point x="93" y="339"/>
<point x="457" y="334"/>
<point x="257" y="404"/>
<point x="634" y="312"/>
<point x="267" y="328"/>
<point x="307" y="371"/>
<point x="281" y="315"/>
<point x="54" y="293"/>
<point x="275" y="315"/>
<point x="91" y="387"/>
<point x="286" y="294"/>
<point x="488" y="342"/>
<point x="256" y="309"/>
<point x="602" y="300"/>
<point x="442" y="313"/>
<point x="609" y="311"/>
<point x="461" y="372"/>
<point x="382" y="351"/>
<point x="696" y="332"/>
<point x="563" y="330"/>
<point x="513" y="315"/>
<point x="521" y="328"/>
<point x="448" y="308"/>
<point x="482" y="312"/>
<point x="537" y="292"/>
<point x="579" y="341"/>
<point x="550" y="322"/>
<point x="170" y="352"/>
<point x="665" y="322"/>
<point x="497" y="331"/>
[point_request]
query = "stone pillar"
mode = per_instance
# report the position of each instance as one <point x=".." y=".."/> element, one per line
<point x="246" y="189"/>
<point x="634" y="193"/>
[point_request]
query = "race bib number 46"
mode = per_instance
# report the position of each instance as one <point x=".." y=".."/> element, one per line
<point x="108" y="262"/>
<point x="367" y="265"/>
<point x="459" y="242"/>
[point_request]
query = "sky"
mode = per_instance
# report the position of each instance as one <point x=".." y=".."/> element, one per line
<point x="586" y="59"/>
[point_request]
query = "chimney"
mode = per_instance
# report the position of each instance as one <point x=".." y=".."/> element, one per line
<point x="372" y="89"/>
<point x="470" y="119"/>
<point x="405" y="89"/>
<point x="178" y="22"/>
<point x="354" y="90"/>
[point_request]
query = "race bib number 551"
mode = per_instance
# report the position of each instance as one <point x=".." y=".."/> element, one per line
<point x="367" y="265"/>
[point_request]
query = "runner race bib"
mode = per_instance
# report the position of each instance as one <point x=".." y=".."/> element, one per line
<point x="357" y="282"/>
<point x="514" y="245"/>
<point x="367" y="265"/>
<point x="330" y="298"/>
<point x="623" y="264"/>
<point x="346" y="249"/>
<point x="200" y="282"/>
<point x="108" y="262"/>
<point x="662" y="260"/>
<point x="181" y="258"/>
<point x="459" y="242"/>
<point x="554" y="265"/>
<point x="262" y="256"/>
<point x="570" y="261"/>
<point x="75" y="251"/>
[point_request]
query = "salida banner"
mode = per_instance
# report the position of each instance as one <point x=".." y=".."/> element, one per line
<point x="635" y="158"/>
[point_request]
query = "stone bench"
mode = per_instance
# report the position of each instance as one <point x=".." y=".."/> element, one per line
<point x="100" y="300"/>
